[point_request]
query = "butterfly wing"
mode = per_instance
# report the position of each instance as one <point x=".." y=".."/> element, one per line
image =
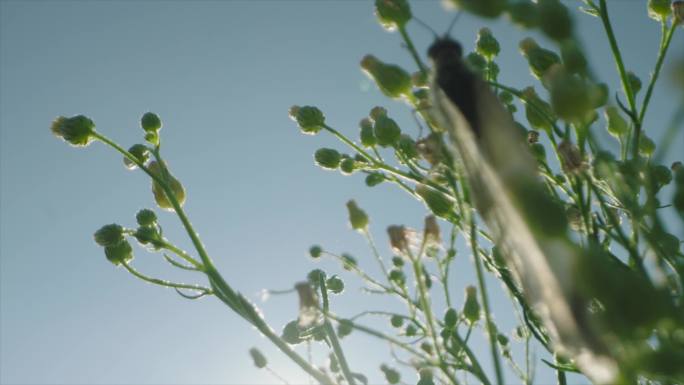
<point x="503" y="180"/>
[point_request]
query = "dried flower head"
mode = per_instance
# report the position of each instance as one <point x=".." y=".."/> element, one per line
<point x="571" y="158"/>
<point x="308" y="305"/>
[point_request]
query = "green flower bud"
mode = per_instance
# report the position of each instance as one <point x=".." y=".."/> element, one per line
<point x="538" y="112"/>
<point x="310" y="119"/>
<point x="146" y="217"/>
<point x="139" y="152"/>
<point x="377" y="112"/>
<point x="258" y="358"/>
<point x="493" y="70"/>
<point x="407" y="146"/>
<point x="669" y="243"/>
<point x="347" y="166"/>
<point x="598" y="94"/>
<point x="119" y="253"/>
<point x="173" y="183"/>
<point x="397" y="321"/>
<point x="328" y="158"/>
<point x="438" y="203"/>
<point x="554" y="19"/>
<point x="570" y="97"/>
<point x="676" y="166"/>
<point x="397" y="276"/>
<point x="426" y="347"/>
<point x="375" y="178"/>
<point x="150" y="122"/>
<point x="357" y="217"/>
<point x="659" y="9"/>
<point x="634" y="82"/>
<point x="335" y="284"/>
<point x="77" y="130"/>
<point x="662" y="176"/>
<point x="344" y="328"/>
<point x="152" y="138"/>
<point x="392" y="14"/>
<point x="348" y="262"/>
<point x="471" y="308"/>
<point x="617" y="126"/>
<point x="392" y="376"/>
<point x="148" y="235"/>
<point x="539" y="152"/>
<point x="386" y="131"/>
<point x="506" y="97"/>
<point x="646" y="145"/>
<point x="426" y="378"/>
<point x="450" y="318"/>
<point x="109" y="235"/>
<point x="367" y="135"/>
<point x="502" y="339"/>
<point x="392" y="80"/>
<point x="539" y="59"/>
<point x="476" y="62"/>
<point x="410" y="330"/>
<point x="486" y="44"/>
<point x="524" y="13"/>
<point x="291" y="333"/>
<point x="315" y="276"/>
<point x="484" y="8"/>
<point x="397" y="261"/>
<point x="315" y="251"/>
<point x="573" y="57"/>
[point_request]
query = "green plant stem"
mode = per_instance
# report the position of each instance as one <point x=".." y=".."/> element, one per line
<point x="384" y="166"/>
<point x="372" y="332"/>
<point x="196" y="264"/>
<point x="162" y="282"/>
<point x="412" y="49"/>
<point x="427" y="309"/>
<point x="221" y="288"/>
<point x="626" y="85"/>
<point x="485" y="301"/>
<point x="332" y="336"/>
<point x="666" y="38"/>
<point x="376" y="254"/>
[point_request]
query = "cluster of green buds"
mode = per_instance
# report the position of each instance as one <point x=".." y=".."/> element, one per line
<point x="573" y="98"/>
<point x="148" y="233"/>
<point x="77" y="131"/>
<point x="117" y="248"/>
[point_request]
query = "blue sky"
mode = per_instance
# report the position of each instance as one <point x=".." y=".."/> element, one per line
<point x="222" y="75"/>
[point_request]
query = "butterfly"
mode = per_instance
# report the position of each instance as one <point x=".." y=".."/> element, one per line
<point x="507" y="192"/>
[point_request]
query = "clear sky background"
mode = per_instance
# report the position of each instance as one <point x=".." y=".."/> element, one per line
<point x="222" y="75"/>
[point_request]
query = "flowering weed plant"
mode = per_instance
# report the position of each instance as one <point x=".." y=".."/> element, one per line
<point x="581" y="237"/>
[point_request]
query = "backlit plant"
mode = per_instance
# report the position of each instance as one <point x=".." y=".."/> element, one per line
<point x="620" y="207"/>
